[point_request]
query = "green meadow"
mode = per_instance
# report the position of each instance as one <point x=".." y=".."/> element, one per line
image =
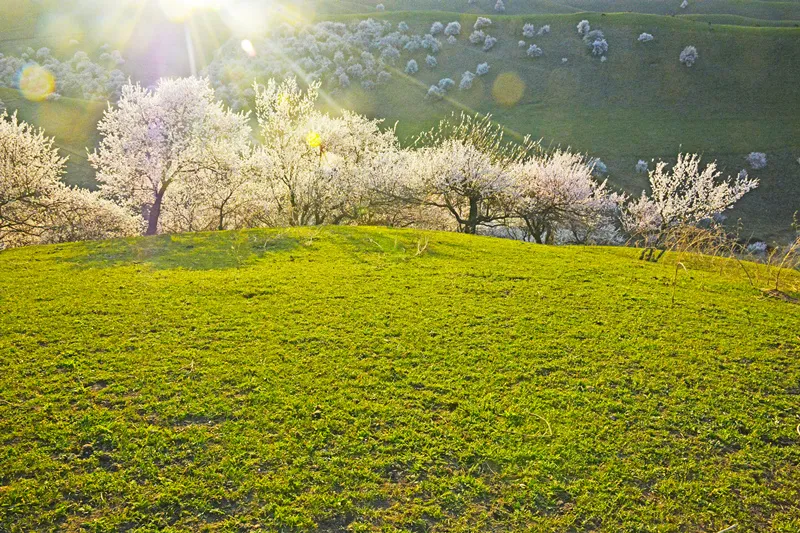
<point x="362" y="379"/>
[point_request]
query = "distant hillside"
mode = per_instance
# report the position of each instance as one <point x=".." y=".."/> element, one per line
<point x="640" y="104"/>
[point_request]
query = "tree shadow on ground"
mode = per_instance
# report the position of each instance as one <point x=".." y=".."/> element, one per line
<point x="190" y="251"/>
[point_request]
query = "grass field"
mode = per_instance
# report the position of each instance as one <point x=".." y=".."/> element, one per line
<point x="383" y="380"/>
<point x="640" y="104"/>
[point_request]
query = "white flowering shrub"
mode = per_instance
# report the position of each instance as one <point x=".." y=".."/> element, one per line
<point x="500" y="6"/>
<point x="452" y="39"/>
<point x="642" y="167"/>
<point x="528" y="31"/>
<point x="481" y="23"/>
<point x="596" y="42"/>
<point x="489" y="43"/>
<point x="380" y="7"/>
<point x="435" y="93"/>
<point x="453" y="29"/>
<point x="477" y="37"/>
<point x="544" y="30"/>
<point x="431" y="62"/>
<point x="684" y="4"/>
<point x="685" y="195"/>
<point x="467" y="80"/>
<point x="757" y="160"/>
<point x="689" y="56"/>
<point x="402" y="27"/>
<point x="534" y="51"/>
<point x="598" y="167"/>
<point x="758" y="248"/>
<point x="412" y="67"/>
<point x="583" y="28"/>
<point x="437" y="28"/>
<point x="556" y="197"/>
<point x="482" y="70"/>
<point x="645" y="38"/>
<point x="446" y="84"/>
<point x="522" y="44"/>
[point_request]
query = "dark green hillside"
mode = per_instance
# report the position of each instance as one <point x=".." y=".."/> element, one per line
<point x="356" y="379"/>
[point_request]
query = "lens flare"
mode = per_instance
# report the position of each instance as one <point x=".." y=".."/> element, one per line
<point x="248" y="48"/>
<point x="36" y="83"/>
<point x="314" y="139"/>
<point x="508" y="89"/>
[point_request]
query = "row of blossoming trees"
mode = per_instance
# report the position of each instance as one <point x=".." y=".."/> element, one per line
<point x="174" y="159"/>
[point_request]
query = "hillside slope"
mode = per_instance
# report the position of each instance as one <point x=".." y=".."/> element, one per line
<point x="640" y="104"/>
<point x="384" y="380"/>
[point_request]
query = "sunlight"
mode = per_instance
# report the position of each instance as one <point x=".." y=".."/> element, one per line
<point x="36" y="83"/>
<point x="180" y="10"/>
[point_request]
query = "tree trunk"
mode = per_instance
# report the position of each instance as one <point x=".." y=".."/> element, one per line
<point x="155" y="213"/>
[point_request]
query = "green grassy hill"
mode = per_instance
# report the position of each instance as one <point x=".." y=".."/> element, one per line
<point x="367" y="379"/>
<point x="641" y="104"/>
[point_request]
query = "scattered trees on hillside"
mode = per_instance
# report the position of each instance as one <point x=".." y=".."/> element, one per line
<point x="453" y="29"/>
<point x="534" y="51"/>
<point x="482" y="22"/>
<point x="77" y="77"/>
<point x="689" y="56"/>
<point x="528" y="31"/>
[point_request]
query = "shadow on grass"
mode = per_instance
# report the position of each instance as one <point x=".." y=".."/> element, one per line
<point x="191" y="251"/>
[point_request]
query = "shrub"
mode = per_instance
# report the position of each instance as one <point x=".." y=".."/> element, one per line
<point x="489" y="43"/>
<point x="402" y="27"/>
<point x="446" y="84"/>
<point x="522" y="44"/>
<point x="431" y="61"/>
<point x="689" y="55"/>
<point x="437" y="28"/>
<point x="452" y="39"/>
<point x="598" y="167"/>
<point x="599" y="48"/>
<point x="477" y="37"/>
<point x="384" y="77"/>
<point x="583" y="28"/>
<point x="684" y="4"/>
<point x="543" y="30"/>
<point x="368" y="85"/>
<point x="757" y="160"/>
<point x="482" y="70"/>
<point x="412" y="67"/>
<point x="757" y="248"/>
<point x="466" y="81"/>
<point x="528" y="31"/>
<point x="641" y="166"/>
<point x="453" y="29"/>
<point x="380" y="7"/>
<point x="500" y="7"/>
<point x="645" y="38"/>
<point x="435" y="93"/>
<point x="482" y="22"/>
<point x="534" y="51"/>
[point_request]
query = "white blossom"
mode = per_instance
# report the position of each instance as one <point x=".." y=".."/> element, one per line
<point x="689" y="56"/>
<point x="757" y="160"/>
<point x="528" y="31"/>
<point x="645" y="37"/>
